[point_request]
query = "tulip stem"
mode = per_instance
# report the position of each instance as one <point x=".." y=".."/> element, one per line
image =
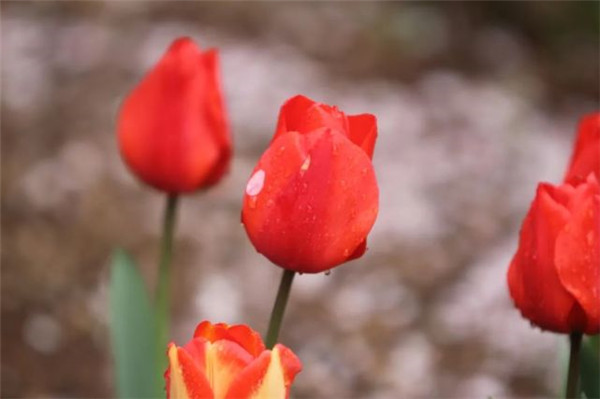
<point x="164" y="280"/>
<point x="283" y="294"/>
<point x="573" y="376"/>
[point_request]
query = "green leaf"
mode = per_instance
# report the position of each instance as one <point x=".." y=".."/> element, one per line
<point x="590" y="367"/>
<point x="133" y="332"/>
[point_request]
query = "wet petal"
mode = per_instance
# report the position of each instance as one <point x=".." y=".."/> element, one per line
<point x="586" y="154"/>
<point x="319" y="201"/>
<point x="578" y="253"/>
<point x="363" y="132"/>
<point x="532" y="277"/>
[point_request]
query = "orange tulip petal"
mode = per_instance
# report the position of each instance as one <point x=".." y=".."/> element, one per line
<point x="532" y="277"/>
<point x="578" y="253"/>
<point x="268" y="377"/>
<point x="243" y="335"/>
<point x="196" y="348"/>
<point x="224" y="361"/>
<point x="184" y="379"/>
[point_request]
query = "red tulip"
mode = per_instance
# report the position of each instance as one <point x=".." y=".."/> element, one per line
<point x="586" y="155"/>
<point x="554" y="278"/>
<point x="172" y="129"/>
<point x="313" y="197"/>
<point x="229" y="362"/>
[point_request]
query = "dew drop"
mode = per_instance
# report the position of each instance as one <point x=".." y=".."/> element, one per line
<point x="306" y="164"/>
<point x="328" y="272"/>
<point x="346" y="252"/>
<point x="256" y="182"/>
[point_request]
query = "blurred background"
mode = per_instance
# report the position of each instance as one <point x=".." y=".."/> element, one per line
<point x="476" y="103"/>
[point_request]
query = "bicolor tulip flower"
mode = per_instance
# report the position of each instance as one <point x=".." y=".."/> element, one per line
<point x="586" y="154"/>
<point x="313" y="197"/>
<point x="172" y="128"/>
<point x="554" y="277"/>
<point x="229" y="362"/>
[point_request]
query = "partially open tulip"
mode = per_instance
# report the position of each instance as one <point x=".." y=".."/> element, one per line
<point x="586" y="154"/>
<point x="172" y="128"/>
<point x="313" y="197"/>
<point x="229" y="362"/>
<point x="554" y="278"/>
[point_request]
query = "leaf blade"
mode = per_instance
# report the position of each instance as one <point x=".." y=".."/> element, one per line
<point x="133" y="331"/>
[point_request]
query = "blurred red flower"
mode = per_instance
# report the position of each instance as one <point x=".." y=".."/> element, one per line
<point x="586" y="154"/>
<point x="313" y="197"/>
<point x="172" y="128"/>
<point x="554" y="278"/>
<point x="224" y="361"/>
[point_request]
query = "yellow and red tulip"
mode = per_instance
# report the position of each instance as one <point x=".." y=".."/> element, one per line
<point x="227" y="362"/>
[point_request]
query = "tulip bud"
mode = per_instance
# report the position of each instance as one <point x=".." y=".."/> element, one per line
<point x="586" y="154"/>
<point x="229" y="362"/>
<point x="554" y="278"/>
<point x="172" y="128"/>
<point x="313" y="197"/>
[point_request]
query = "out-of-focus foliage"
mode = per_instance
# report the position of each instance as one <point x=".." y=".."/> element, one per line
<point x="133" y="330"/>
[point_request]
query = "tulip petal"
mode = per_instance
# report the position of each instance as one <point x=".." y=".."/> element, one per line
<point x="164" y="136"/>
<point x="363" y="132"/>
<point x="243" y="335"/>
<point x="303" y="115"/>
<point x="224" y="361"/>
<point x="184" y="379"/>
<point x="215" y="115"/>
<point x="221" y="360"/>
<point x="586" y="155"/>
<point x="532" y="277"/>
<point x="318" y="202"/>
<point x="268" y="377"/>
<point x="578" y="253"/>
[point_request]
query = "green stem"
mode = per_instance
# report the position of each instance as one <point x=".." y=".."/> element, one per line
<point x="162" y="303"/>
<point x="573" y="376"/>
<point x="279" y="308"/>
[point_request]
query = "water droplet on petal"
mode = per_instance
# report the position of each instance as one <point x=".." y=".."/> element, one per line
<point x="256" y="182"/>
<point x="327" y="272"/>
<point x="305" y="165"/>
